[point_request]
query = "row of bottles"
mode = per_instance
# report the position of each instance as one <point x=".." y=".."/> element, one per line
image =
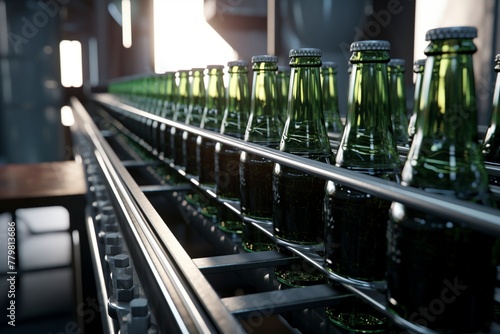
<point x="427" y="262"/>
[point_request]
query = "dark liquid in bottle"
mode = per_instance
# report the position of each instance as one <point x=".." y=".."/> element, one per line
<point x="355" y="233"/>
<point x="227" y="161"/>
<point x="154" y="135"/>
<point x="190" y="153"/>
<point x="205" y="151"/>
<point x="298" y="200"/>
<point x="453" y="288"/>
<point x="176" y="137"/>
<point x="164" y="141"/>
<point x="256" y="177"/>
<point x="256" y="200"/>
<point x="148" y="131"/>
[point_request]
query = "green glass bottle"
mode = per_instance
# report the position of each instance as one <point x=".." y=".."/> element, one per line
<point x="234" y="121"/>
<point x="264" y="128"/>
<point x="297" y="196"/>
<point x="329" y="89"/>
<point x="197" y="102"/>
<point x="180" y="114"/>
<point x="397" y="97"/>
<point x="283" y="86"/>
<point x="491" y="142"/>
<point x="440" y="272"/>
<point x="211" y="120"/>
<point x="356" y="222"/>
<point x="169" y="103"/>
<point x="418" y="70"/>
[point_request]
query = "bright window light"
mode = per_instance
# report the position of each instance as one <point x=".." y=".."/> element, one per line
<point x="126" y="24"/>
<point x="430" y="14"/>
<point x="198" y="45"/>
<point x="67" y="118"/>
<point x="71" y="63"/>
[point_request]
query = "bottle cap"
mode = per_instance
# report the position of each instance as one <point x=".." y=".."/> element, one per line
<point x="370" y="45"/>
<point x="451" y="32"/>
<point x="397" y="62"/>
<point x="417" y="65"/>
<point x="497" y="58"/>
<point x="305" y="52"/>
<point x="264" y="58"/>
<point x="237" y="63"/>
<point x="329" y="64"/>
<point x="218" y="67"/>
<point x="420" y="62"/>
<point x="183" y="71"/>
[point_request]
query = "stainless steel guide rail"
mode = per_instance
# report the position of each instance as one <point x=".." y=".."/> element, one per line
<point x="165" y="251"/>
<point x="474" y="215"/>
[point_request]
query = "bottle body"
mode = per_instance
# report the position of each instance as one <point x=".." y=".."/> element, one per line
<point x="432" y="260"/>
<point x="298" y="198"/>
<point x="453" y="279"/>
<point x="356" y="230"/>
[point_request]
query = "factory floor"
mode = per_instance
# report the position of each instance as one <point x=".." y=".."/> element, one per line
<point x="41" y="285"/>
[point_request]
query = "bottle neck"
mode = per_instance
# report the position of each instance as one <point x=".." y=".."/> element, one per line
<point x="182" y="98"/>
<point x="330" y="97"/>
<point x="304" y="131"/>
<point x="418" y="88"/>
<point x="171" y="91"/>
<point x="216" y="101"/>
<point x="197" y="99"/>
<point x="263" y="124"/>
<point x="238" y="103"/>
<point x="165" y="84"/>
<point x="445" y="153"/>
<point x="368" y="139"/>
<point x="283" y="85"/>
<point x="448" y="101"/>
<point x="397" y="98"/>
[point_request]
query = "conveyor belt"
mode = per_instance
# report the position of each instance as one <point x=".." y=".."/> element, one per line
<point x="193" y="294"/>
